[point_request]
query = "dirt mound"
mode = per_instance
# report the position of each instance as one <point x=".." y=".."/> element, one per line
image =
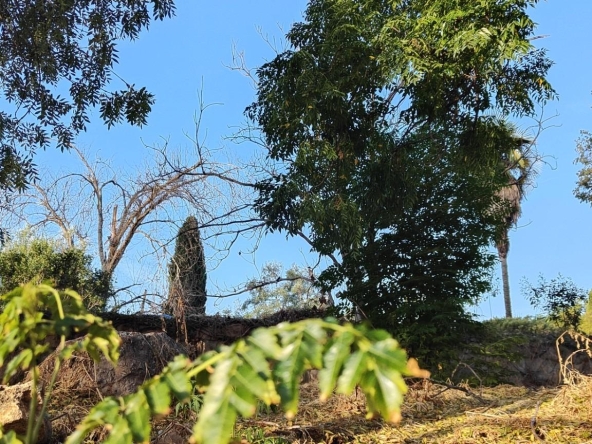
<point x="141" y="357"/>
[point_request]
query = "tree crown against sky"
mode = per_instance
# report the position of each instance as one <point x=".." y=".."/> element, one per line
<point x="583" y="191"/>
<point x="362" y="77"/>
<point x="57" y="62"/>
<point x="277" y="290"/>
<point x="365" y="90"/>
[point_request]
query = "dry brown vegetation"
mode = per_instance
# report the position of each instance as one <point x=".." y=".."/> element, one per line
<point x="437" y="414"/>
<point x="432" y="413"/>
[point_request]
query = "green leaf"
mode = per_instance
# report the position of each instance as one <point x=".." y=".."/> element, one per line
<point x="243" y="401"/>
<point x="369" y="386"/>
<point x="22" y="360"/>
<point x="158" y="396"/>
<point x="103" y="339"/>
<point x="259" y="383"/>
<point x="288" y="372"/>
<point x="179" y="384"/>
<point x="388" y="354"/>
<point x="390" y="395"/>
<point x="137" y="414"/>
<point x="217" y="416"/>
<point x="313" y="343"/>
<point x="334" y="358"/>
<point x="266" y="341"/>
<point x="9" y="437"/>
<point x="207" y="430"/>
<point x="355" y="366"/>
<point x="120" y="433"/>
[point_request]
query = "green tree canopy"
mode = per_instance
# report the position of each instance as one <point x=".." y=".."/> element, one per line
<point x="274" y="291"/>
<point x="56" y="61"/>
<point x="418" y="273"/>
<point x="584" y="185"/>
<point x="561" y="300"/>
<point x="366" y="91"/>
<point x="27" y="259"/>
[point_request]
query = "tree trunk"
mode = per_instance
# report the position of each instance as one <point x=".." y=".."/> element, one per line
<point x="506" y="285"/>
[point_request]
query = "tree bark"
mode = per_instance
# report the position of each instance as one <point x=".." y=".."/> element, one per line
<point x="218" y="329"/>
<point x="506" y="285"/>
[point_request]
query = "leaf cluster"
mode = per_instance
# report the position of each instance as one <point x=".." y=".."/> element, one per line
<point x="561" y="300"/>
<point x="56" y="61"/>
<point x="416" y="275"/>
<point x="31" y="314"/>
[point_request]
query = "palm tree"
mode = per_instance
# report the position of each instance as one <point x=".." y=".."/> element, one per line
<point x="518" y="170"/>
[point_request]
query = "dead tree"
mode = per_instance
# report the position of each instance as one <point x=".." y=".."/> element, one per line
<point x="108" y="210"/>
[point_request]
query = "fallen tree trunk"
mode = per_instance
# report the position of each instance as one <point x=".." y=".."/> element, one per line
<point x="218" y="329"/>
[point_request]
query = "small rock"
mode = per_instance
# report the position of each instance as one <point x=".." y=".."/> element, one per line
<point x="14" y="410"/>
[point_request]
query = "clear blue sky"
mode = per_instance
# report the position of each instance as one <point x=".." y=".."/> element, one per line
<point x="175" y="57"/>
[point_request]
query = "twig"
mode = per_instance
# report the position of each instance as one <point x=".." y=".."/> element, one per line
<point x="456" y="387"/>
<point x="533" y="422"/>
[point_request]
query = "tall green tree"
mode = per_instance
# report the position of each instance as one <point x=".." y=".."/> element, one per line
<point x="26" y="258"/>
<point x="365" y="90"/>
<point x="430" y="260"/>
<point x="518" y="170"/>
<point x="56" y="64"/>
<point x="187" y="272"/>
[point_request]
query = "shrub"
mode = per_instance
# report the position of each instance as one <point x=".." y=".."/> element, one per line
<point x="30" y="259"/>
<point x="561" y="300"/>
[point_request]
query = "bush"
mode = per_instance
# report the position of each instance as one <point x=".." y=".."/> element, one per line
<point x="561" y="300"/>
<point x="30" y="259"/>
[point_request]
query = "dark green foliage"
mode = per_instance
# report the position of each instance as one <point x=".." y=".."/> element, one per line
<point x="561" y="300"/>
<point x="4" y="236"/>
<point x="187" y="272"/>
<point x="500" y="342"/>
<point x="56" y="61"/>
<point x="39" y="260"/>
<point x="416" y="276"/>
<point x="377" y="112"/>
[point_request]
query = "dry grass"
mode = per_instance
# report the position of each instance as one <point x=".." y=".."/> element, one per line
<point x="432" y="413"/>
<point x="436" y="414"/>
